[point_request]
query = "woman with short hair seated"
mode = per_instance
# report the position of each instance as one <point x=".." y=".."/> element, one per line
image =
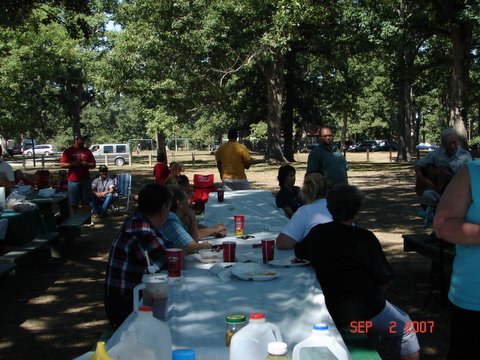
<point x="174" y="230"/>
<point x="314" y="212"/>
<point x="353" y="273"/>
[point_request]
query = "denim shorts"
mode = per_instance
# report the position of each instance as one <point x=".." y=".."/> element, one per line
<point x="80" y="191"/>
<point x="392" y="331"/>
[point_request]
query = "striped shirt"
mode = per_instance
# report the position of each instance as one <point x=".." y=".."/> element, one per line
<point x="175" y="232"/>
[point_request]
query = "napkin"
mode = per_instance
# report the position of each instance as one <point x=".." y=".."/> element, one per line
<point x="222" y="273"/>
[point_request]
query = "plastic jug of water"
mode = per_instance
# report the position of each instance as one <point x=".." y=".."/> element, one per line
<point x="320" y="345"/>
<point x="130" y="349"/>
<point x="152" y="333"/>
<point x="155" y="294"/>
<point x="251" y="341"/>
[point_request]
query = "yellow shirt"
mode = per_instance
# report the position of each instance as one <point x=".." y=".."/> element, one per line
<point x="234" y="159"/>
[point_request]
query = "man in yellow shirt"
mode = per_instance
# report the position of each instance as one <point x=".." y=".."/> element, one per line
<point x="232" y="160"/>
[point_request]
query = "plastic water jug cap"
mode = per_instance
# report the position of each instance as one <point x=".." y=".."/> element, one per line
<point x="145" y="308"/>
<point x="257" y="316"/>
<point x="320" y="326"/>
<point x="183" y="354"/>
<point x="277" y="348"/>
<point x="235" y="319"/>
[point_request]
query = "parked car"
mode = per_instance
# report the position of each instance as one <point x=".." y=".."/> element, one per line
<point x="426" y="146"/>
<point x="213" y="148"/>
<point x="118" y="154"/>
<point x="43" y="149"/>
<point x="385" y="145"/>
<point x="370" y="145"/>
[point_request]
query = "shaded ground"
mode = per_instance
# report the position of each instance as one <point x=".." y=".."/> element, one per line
<point x="54" y="309"/>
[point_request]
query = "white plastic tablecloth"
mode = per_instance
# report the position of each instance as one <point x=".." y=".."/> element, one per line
<point x="199" y="300"/>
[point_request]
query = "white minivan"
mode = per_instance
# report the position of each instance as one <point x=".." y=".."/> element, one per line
<point x="118" y="154"/>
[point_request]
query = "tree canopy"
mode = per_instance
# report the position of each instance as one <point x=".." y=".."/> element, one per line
<point x="400" y="70"/>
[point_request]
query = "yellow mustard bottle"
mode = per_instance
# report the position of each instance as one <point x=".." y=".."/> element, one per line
<point x="101" y="352"/>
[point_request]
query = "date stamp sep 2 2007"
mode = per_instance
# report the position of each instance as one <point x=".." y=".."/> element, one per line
<point x="421" y="327"/>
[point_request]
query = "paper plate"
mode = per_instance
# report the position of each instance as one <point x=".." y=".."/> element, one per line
<point x="288" y="263"/>
<point x="265" y="275"/>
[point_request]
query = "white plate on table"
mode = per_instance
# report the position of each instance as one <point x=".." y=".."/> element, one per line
<point x="253" y="271"/>
<point x="288" y="262"/>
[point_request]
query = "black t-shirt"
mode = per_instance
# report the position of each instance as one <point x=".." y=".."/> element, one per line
<point x="286" y="198"/>
<point x="350" y="266"/>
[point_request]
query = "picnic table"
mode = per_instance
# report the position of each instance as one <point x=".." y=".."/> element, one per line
<point x="199" y="301"/>
<point x="49" y="206"/>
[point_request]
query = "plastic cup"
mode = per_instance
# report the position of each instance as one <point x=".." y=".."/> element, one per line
<point x="229" y="248"/>
<point x="239" y="221"/>
<point x="174" y="258"/>
<point x="268" y="246"/>
<point x="220" y="194"/>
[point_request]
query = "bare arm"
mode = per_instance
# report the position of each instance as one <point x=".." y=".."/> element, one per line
<point x="194" y="246"/>
<point x="285" y="242"/>
<point x="219" y="230"/>
<point x="449" y="223"/>
<point x="288" y="212"/>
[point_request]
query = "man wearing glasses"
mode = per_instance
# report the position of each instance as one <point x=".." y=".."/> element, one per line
<point x="328" y="160"/>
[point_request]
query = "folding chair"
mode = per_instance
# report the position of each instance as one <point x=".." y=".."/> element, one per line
<point x="123" y="185"/>
<point x="202" y="186"/>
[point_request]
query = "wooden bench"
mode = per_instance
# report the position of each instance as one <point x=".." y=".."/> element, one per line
<point x="25" y="252"/>
<point x="70" y="228"/>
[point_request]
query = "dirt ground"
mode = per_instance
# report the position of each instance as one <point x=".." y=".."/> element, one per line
<point x="53" y="309"/>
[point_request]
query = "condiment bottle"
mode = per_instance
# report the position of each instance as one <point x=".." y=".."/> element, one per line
<point x="233" y="323"/>
<point x="277" y="351"/>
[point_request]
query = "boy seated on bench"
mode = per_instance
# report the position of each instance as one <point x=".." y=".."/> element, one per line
<point x="104" y="194"/>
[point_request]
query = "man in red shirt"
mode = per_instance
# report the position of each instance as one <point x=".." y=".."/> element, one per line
<point x="78" y="160"/>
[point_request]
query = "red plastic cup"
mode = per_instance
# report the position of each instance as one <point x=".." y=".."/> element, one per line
<point x="229" y="248"/>
<point x="220" y="194"/>
<point x="268" y="246"/>
<point x="239" y="221"/>
<point x="174" y="258"/>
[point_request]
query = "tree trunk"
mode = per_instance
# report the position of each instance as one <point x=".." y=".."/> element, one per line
<point x="290" y="100"/>
<point x="461" y="36"/>
<point x="405" y="109"/>
<point x="161" y="146"/>
<point x="273" y="72"/>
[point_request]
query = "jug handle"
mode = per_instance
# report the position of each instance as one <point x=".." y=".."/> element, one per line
<point x="276" y="331"/>
<point x="136" y="296"/>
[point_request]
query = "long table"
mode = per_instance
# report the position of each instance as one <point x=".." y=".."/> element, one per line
<point x="441" y="255"/>
<point x="199" y="300"/>
<point x="48" y="207"/>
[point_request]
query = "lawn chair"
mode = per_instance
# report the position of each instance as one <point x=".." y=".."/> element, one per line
<point x="123" y="185"/>
<point x="202" y="186"/>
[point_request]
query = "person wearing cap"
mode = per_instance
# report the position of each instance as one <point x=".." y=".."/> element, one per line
<point x="78" y="160"/>
<point x="233" y="159"/>
<point x="103" y="188"/>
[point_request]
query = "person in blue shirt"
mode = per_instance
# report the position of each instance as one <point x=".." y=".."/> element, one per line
<point x="457" y="220"/>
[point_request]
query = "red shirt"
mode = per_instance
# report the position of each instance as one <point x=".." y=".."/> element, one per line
<point x="74" y="153"/>
<point x="161" y="172"/>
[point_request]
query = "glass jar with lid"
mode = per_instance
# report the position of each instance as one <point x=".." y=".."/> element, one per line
<point x="233" y="323"/>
